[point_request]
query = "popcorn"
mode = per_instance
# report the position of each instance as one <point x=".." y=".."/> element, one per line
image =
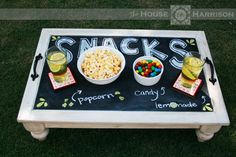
<point x="101" y="64"/>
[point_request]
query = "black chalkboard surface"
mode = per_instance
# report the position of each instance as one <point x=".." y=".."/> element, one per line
<point x="125" y="94"/>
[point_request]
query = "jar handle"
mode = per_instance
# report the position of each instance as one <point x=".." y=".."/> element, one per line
<point x="212" y="79"/>
<point x="37" y="58"/>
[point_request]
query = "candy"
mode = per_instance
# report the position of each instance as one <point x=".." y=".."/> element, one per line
<point x="145" y="62"/>
<point x="149" y="61"/>
<point x="153" y="68"/>
<point x="148" y="68"/>
<point x="157" y="70"/>
<point x="152" y="74"/>
<point x="138" y="64"/>
<point x="146" y="74"/>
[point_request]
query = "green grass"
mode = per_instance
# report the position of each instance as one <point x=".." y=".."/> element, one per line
<point x="18" y="41"/>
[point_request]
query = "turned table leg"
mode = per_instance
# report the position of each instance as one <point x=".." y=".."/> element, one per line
<point x="207" y="132"/>
<point x="37" y="130"/>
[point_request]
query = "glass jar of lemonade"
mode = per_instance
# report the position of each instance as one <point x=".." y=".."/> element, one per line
<point x="57" y="62"/>
<point x="192" y="67"/>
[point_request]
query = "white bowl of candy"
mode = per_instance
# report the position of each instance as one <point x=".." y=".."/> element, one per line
<point x="101" y="65"/>
<point x="147" y="70"/>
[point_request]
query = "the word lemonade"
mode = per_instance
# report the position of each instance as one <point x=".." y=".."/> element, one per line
<point x="58" y="65"/>
<point x="192" y="67"/>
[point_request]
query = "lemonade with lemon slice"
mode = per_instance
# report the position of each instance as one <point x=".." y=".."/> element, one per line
<point x="57" y="62"/>
<point x="192" y="67"/>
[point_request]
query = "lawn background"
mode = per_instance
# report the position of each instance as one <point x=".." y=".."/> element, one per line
<point x="18" y="41"/>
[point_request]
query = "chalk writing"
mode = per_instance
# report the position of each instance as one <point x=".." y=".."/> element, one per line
<point x="174" y="61"/>
<point x="77" y="98"/>
<point x="149" y="49"/>
<point x="77" y="92"/>
<point x="66" y="40"/>
<point x="163" y="92"/>
<point x="124" y="46"/>
<point x="151" y="92"/>
<point x="176" y="105"/>
<point x="85" y="44"/>
<point x="109" y="42"/>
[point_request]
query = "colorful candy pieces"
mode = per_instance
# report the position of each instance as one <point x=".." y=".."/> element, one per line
<point x="148" y="68"/>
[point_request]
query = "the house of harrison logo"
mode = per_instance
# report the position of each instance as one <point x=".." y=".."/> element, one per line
<point x="180" y="15"/>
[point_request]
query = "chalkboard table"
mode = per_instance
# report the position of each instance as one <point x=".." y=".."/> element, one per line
<point x="123" y="103"/>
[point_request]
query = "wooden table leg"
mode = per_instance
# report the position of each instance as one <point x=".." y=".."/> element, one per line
<point x="206" y="132"/>
<point x="37" y="130"/>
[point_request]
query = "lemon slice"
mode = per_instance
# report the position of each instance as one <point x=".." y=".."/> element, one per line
<point x="58" y="60"/>
<point x="196" y="62"/>
<point x="55" y="68"/>
<point x="187" y="73"/>
<point x="58" y="57"/>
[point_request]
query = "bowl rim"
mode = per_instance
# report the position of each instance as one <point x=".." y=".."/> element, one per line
<point x="153" y="58"/>
<point x="79" y="62"/>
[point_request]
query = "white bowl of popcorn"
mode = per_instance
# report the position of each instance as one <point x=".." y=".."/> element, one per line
<point x="101" y="65"/>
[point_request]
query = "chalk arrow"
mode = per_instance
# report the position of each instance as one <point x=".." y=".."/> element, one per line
<point x="204" y="99"/>
<point x="78" y="92"/>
